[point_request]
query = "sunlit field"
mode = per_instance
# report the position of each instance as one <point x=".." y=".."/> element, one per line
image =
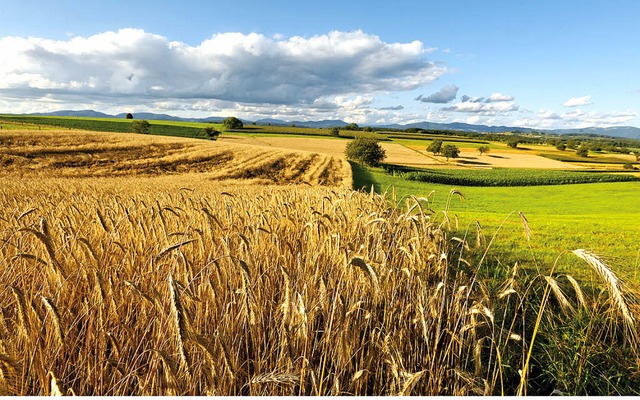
<point x="140" y="265"/>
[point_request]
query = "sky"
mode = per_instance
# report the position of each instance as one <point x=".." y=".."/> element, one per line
<point x="544" y="64"/>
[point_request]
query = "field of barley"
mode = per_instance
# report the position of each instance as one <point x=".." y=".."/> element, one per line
<point x="192" y="272"/>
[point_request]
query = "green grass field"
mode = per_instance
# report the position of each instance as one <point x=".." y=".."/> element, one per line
<point x="601" y="217"/>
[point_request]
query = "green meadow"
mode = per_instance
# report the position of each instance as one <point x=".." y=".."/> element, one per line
<point x="601" y="217"/>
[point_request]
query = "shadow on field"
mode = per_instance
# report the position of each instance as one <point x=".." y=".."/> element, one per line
<point x="362" y="178"/>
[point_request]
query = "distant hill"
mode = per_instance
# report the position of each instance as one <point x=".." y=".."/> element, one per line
<point x="616" y="131"/>
<point x="75" y="113"/>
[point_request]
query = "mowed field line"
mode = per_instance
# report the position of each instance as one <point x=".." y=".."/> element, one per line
<point x="70" y="153"/>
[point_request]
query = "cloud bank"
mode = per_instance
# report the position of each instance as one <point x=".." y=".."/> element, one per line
<point x="233" y="67"/>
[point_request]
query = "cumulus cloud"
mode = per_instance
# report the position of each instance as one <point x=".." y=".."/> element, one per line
<point x="578" y="101"/>
<point x="235" y="67"/>
<point x="445" y="95"/>
<point x="495" y="104"/>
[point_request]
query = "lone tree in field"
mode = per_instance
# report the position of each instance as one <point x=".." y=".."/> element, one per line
<point x="435" y="147"/>
<point x="334" y="131"/>
<point x="583" y="151"/>
<point x="140" y="126"/>
<point x="483" y="149"/>
<point x="513" y="143"/>
<point x="129" y="116"/>
<point x="365" y="151"/>
<point x="232" y="123"/>
<point x="561" y="146"/>
<point x="211" y="133"/>
<point x="450" y="151"/>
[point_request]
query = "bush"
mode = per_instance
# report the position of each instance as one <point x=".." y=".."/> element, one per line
<point x="211" y="133"/>
<point x="513" y="143"/>
<point x="232" y="123"/>
<point x="583" y="151"/>
<point x="334" y="132"/>
<point x="140" y="126"/>
<point x="561" y="146"/>
<point x="365" y="151"/>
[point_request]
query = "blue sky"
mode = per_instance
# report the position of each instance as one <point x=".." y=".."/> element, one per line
<point x="540" y="64"/>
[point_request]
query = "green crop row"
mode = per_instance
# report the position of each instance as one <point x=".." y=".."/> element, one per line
<point x="505" y="177"/>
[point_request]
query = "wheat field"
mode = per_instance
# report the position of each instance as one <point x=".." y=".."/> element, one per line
<point x="184" y="284"/>
<point x="76" y="154"/>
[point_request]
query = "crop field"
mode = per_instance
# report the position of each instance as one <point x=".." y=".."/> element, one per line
<point x="99" y="154"/>
<point x="506" y="176"/>
<point x="152" y="265"/>
<point x="164" y="128"/>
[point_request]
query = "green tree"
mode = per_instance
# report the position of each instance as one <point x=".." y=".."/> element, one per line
<point x="483" y="149"/>
<point x="513" y="143"/>
<point x="140" y="126"/>
<point x="334" y="131"/>
<point x="583" y="151"/>
<point x="561" y="146"/>
<point x="211" y="132"/>
<point x="232" y="123"/>
<point x="352" y="127"/>
<point x="129" y="116"/>
<point x="435" y="146"/>
<point x="365" y="151"/>
<point x="450" y="151"/>
<point x="637" y="154"/>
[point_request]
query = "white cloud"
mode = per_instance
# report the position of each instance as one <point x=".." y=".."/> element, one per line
<point x="576" y="118"/>
<point x="496" y="97"/>
<point x="496" y="104"/>
<point x="236" y="67"/>
<point x="578" y="101"/>
<point x="445" y="95"/>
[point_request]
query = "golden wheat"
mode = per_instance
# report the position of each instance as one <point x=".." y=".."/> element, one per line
<point x="182" y="285"/>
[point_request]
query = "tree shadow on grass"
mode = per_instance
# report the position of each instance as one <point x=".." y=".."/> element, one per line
<point x="362" y="178"/>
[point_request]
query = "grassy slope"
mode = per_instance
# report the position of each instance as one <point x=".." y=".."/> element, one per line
<point x="603" y="217"/>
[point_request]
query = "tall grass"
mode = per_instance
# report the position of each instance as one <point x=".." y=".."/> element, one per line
<point x="284" y="291"/>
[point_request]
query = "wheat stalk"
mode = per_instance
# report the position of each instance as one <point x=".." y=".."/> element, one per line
<point x="180" y="324"/>
<point x="55" y="318"/>
<point x="615" y="289"/>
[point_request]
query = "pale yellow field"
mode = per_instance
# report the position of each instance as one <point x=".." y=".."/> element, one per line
<point x="415" y="156"/>
<point x="396" y="153"/>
